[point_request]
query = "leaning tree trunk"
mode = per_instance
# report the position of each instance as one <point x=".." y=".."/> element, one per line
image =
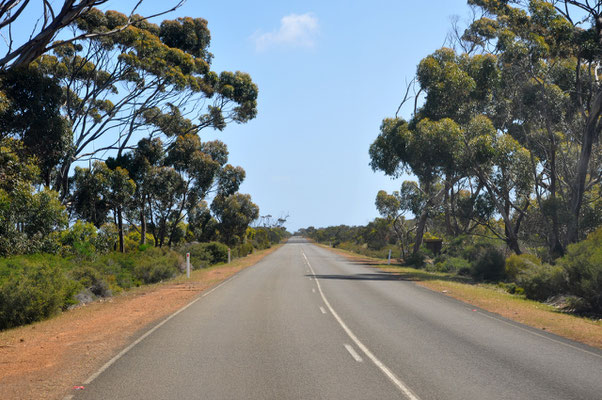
<point x="592" y="130"/>
<point x="420" y="229"/>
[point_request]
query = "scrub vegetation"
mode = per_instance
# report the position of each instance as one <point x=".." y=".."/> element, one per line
<point x="105" y="182"/>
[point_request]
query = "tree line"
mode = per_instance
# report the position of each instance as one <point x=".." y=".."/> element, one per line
<point x="101" y="116"/>
<point x="503" y="147"/>
<point x="505" y="140"/>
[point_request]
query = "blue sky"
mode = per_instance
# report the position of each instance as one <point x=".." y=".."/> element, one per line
<point x="322" y="97"/>
<point x="328" y="73"/>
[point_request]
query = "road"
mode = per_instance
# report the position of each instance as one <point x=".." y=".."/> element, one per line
<point x="304" y="323"/>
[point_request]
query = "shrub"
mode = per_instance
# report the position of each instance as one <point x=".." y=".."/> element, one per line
<point x="243" y="250"/>
<point x="416" y="259"/>
<point x="155" y="265"/>
<point x="517" y="264"/>
<point x="583" y="266"/>
<point x="488" y="263"/>
<point x="542" y="281"/>
<point x="31" y="293"/>
<point x="205" y="254"/>
<point x="91" y="279"/>
<point x="454" y="264"/>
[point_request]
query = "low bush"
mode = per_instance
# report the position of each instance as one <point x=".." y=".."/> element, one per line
<point x="32" y="290"/>
<point x="417" y="259"/>
<point x="540" y="282"/>
<point x="203" y="255"/>
<point x="518" y="264"/>
<point x="155" y="265"/>
<point x="454" y="264"/>
<point x="242" y="250"/>
<point x="92" y="280"/>
<point x="583" y="267"/>
<point x="488" y="263"/>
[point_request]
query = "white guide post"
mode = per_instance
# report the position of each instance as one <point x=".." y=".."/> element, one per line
<point x="188" y="265"/>
<point x="229" y="256"/>
<point x="389" y="260"/>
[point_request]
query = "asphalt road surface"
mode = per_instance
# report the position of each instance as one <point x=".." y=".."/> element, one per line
<point x="305" y="323"/>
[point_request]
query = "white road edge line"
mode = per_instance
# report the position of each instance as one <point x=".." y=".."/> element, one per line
<point x="148" y="333"/>
<point x="353" y="353"/>
<point x="322" y="310"/>
<point x="392" y="377"/>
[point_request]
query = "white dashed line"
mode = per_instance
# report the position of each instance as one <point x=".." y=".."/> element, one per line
<point x="385" y="370"/>
<point x="353" y="353"/>
<point x="323" y="310"/>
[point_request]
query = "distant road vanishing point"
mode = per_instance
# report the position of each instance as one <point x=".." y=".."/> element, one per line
<point x="304" y="323"/>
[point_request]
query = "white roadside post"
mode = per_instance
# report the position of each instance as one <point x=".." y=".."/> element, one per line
<point x="229" y="256"/>
<point x="389" y="260"/>
<point x="188" y="265"/>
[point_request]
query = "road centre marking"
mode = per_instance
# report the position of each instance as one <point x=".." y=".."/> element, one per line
<point x="323" y="310"/>
<point x="353" y="353"/>
<point x="388" y="373"/>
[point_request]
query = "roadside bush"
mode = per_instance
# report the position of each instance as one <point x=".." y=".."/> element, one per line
<point x="583" y="266"/>
<point x="203" y="255"/>
<point x="416" y="259"/>
<point x="242" y="250"/>
<point x="155" y="265"/>
<point x="540" y="282"/>
<point x="30" y="293"/>
<point x="518" y="264"/>
<point x="454" y="264"/>
<point x="92" y="280"/>
<point x="488" y="263"/>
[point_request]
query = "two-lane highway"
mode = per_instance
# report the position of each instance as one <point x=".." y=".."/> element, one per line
<point x="306" y="324"/>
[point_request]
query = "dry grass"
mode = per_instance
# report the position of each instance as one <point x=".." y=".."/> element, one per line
<point x="44" y="360"/>
<point x="496" y="300"/>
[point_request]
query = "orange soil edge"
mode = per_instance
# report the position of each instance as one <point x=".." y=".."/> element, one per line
<point x="44" y="360"/>
<point x="529" y="313"/>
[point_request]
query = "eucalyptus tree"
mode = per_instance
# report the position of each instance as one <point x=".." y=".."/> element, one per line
<point x="99" y="190"/>
<point x="452" y="138"/>
<point x="49" y="24"/>
<point x="142" y="80"/>
<point x="234" y="214"/>
<point x="550" y="100"/>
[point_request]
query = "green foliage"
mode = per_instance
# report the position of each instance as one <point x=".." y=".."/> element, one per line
<point x="583" y="267"/>
<point x="91" y="279"/>
<point x="454" y="264"/>
<point x="203" y="255"/>
<point x="542" y="281"/>
<point x="487" y="263"/>
<point x="417" y="259"/>
<point x="519" y="264"/>
<point x="31" y="289"/>
<point x="234" y="213"/>
<point x="242" y="250"/>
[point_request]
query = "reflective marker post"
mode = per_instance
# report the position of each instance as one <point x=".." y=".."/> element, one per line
<point x="229" y="256"/>
<point x="389" y="260"/>
<point x="188" y="265"/>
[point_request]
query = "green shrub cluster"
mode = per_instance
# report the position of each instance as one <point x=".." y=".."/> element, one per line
<point x="203" y="255"/>
<point x="34" y="287"/>
<point x="583" y="267"/>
